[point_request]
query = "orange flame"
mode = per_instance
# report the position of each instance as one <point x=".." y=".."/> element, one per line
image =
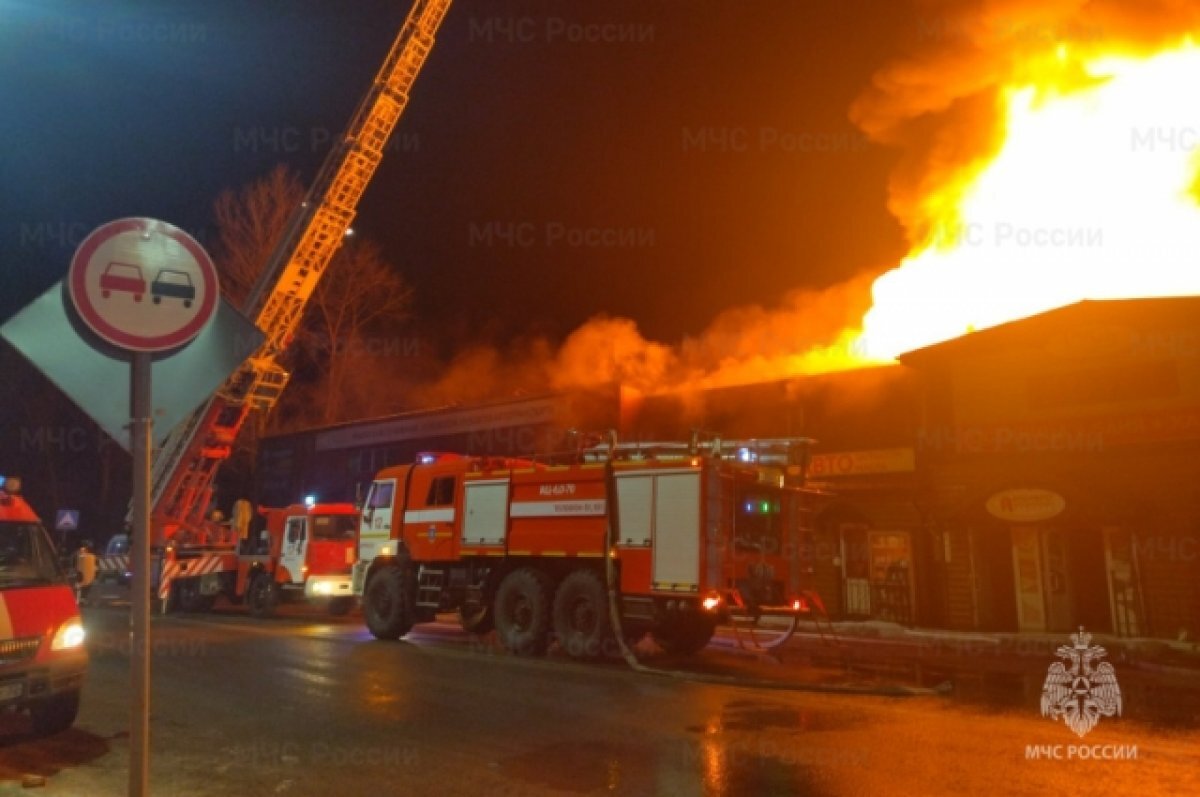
<point x="1091" y="195"/>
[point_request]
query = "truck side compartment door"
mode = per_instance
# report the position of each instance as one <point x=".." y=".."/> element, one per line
<point x="431" y="520"/>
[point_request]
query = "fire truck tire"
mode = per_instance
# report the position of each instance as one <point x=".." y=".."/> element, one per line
<point x="54" y="714"/>
<point x="685" y="635"/>
<point x="522" y="612"/>
<point x="262" y="596"/>
<point x="387" y="604"/>
<point x="581" y="621"/>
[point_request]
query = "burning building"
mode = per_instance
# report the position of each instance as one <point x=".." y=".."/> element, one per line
<point x="1035" y="476"/>
<point x="1031" y="463"/>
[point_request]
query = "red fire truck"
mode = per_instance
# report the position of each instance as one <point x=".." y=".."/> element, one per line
<point x="42" y="657"/>
<point x="683" y="536"/>
<point x="304" y="552"/>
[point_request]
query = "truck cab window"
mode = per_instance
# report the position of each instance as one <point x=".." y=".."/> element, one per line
<point x="380" y="496"/>
<point x="441" y="492"/>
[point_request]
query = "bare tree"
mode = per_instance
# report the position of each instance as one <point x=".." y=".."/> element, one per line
<point x="357" y="307"/>
<point x="355" y="314"/>
<point x="250" y="222"/>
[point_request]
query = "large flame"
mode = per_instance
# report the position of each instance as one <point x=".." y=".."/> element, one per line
<point x="1050" y="173"/>
<point x="1090" y="195"/>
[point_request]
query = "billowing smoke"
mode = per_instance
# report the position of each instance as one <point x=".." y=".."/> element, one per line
<point x="742" y="345"/>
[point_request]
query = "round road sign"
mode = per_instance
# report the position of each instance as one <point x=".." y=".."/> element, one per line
<point x="143" y="284"/>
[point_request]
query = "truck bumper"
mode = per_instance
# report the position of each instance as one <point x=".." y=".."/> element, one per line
<point x="322" y="588"/>
<point x="27" y="685"/>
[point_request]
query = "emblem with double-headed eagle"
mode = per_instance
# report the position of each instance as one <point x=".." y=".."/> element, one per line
<point x="1081" y="689"/>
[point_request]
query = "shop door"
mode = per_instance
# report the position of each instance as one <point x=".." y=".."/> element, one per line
<point x="856" y="570"/>
<point x="1027" y="573"/>
<point x="1124" y="596"/>
<point x="1060" y="606"/>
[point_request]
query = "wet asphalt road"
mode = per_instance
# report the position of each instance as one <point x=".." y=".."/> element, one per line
<point x="305" y="705"/>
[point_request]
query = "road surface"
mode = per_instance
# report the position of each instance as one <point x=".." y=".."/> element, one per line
<point x="307" y="705"/>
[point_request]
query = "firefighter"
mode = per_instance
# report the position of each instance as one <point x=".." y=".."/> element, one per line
<point x="85" y="567"/>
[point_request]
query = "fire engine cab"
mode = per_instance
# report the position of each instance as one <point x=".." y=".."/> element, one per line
<point x="304" y="552"/>
<point x="676" y="536"/>
<point x="42" y="656"/>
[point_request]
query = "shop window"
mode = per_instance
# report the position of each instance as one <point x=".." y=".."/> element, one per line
<point x="891" y="575"/>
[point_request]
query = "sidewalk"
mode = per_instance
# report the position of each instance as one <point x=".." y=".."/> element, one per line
<point x="1159" y="679"/>
<point x="1137" y="652"/>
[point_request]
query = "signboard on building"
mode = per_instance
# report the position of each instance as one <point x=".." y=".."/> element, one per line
<point x="862" y="463"/>
<point x="1025" y="505"/>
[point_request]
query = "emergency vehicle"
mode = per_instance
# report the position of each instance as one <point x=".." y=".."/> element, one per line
<point x="113" y="566"/>
<point x="683" y="535"/>
<point x="42" y="656"/>
<point x="305" y="552"/>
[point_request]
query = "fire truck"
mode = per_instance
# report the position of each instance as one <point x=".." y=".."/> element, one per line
<point x="195" y="557"/>
<point x="305" y="553"/>
<point x="42" y="657"/>
<point x="670" y="539"/>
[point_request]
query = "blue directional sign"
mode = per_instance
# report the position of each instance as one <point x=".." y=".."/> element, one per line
<point x="66" y="520"/>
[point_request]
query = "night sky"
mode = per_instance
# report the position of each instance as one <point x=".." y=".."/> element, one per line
<point x="709" y="140"/>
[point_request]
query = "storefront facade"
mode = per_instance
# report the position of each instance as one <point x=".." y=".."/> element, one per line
<point x="1063" y="458"/>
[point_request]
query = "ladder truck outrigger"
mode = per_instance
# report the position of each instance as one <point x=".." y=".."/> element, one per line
<point x="666" y="538"/>
<point x="198" y="557"/>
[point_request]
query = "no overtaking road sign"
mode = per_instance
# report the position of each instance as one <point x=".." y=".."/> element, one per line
<point x="143" y="284"/>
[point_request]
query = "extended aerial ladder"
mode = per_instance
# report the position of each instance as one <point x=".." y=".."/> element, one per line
<point x="185" y="468"/>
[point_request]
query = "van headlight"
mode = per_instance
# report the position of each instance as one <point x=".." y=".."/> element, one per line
<point x="69" y="635"/>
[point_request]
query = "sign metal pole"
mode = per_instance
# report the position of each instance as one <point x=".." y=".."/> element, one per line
<point x="143" y="286"/>
<point x="141" y="421"/>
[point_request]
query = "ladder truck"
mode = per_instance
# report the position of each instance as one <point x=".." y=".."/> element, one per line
<point x="198" y="558"/>
<point x="668" y="538"/>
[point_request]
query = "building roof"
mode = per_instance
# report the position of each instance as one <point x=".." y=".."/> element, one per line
<point x="1091" y="326"/>
<point x="842" y="409"/>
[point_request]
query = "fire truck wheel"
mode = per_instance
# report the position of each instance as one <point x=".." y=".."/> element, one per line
<point x="262" y="596"/>
<point x="581" y="615"/>
<point x="685" y="635"/>
<point x="387" y="604"/>
<point x="523" y="611"/>
<point x="54" y="714"/>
